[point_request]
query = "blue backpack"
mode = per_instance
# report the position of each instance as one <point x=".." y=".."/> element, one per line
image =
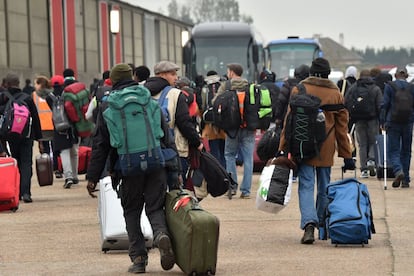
<point x="349" y="217"/>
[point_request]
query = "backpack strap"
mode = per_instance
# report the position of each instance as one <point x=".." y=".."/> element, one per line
<point x="228" y="85"/>
<point x="344" y="85"/>
<point x="301" y="88"/>
<point x="164" y="94"/>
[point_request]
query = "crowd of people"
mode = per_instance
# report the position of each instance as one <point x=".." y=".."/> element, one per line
<point x="369" y="99"/>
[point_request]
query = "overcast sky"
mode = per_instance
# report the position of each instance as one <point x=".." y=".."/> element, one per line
<point x="363" y="23"/>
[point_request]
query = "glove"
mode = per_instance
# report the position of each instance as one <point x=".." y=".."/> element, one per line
<point x="349" y="164"/>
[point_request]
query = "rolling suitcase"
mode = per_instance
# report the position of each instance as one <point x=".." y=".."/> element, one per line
<point x="84" y="155"/>
<point x="380" y="158"/>
<point x="44" y="169"/>
<point x="113" y="229"/>
<point x="9" y="184"/>
<point x="194" y="233"/>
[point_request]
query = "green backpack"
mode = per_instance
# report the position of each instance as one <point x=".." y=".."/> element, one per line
<point x="133" y="119"/>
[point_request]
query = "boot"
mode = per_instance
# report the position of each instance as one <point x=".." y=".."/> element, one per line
<point x="308" y="236"/>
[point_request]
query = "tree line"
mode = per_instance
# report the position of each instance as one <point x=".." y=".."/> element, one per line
<point x="391" y="56"/>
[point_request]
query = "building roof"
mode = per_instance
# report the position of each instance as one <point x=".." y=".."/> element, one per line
<point x="338" y="55"/>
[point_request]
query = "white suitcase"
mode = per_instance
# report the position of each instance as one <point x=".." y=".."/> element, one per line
<point x="113" y="228"/>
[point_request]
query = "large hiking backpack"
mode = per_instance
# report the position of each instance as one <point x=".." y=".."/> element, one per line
<point x="15" y="118"/>
<point x="59" y="117"/>
<point x="304" y="133"/>
<point x="134" y="124"/>
<point x="402" y="106"/>
<point x="77" y="100"/>
<point x="361" y="104"/>
<point x="348" y="216"/>
<point x="257" y="107"/>
<point x="163" y="103"/>
<point x="226" y="111"/>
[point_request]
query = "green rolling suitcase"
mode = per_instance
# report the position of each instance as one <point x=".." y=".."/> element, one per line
<point x="194" y="233"/>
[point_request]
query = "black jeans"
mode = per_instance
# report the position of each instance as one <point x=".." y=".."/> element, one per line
<point x="149" y="188"/>
<point x="22" y="151"/>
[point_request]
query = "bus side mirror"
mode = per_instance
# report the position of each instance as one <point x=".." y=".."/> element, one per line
<point x="255" y="56"/>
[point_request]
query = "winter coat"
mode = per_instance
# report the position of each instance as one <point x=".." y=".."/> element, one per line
<point x="66" y="139"/>
<point x="185" y="133"/>
<point x="36" y="131"/>
<point x="283" y="99"/>
<point x="329" y="93"/>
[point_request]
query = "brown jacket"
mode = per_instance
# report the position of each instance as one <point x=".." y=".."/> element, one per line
<point x="329" y="93"/>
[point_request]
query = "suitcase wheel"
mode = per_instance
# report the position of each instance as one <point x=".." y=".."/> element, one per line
<point x="14" y="209"/>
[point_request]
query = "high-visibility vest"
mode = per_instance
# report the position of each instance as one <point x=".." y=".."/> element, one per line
<point x="45" y="114"/>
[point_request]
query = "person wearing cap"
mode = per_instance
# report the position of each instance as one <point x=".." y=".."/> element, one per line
<point x="301" y="72"/>
<point x="319" y="167"/>
<point x="22" y="148"/>
<point x="149" y="188"/>
<point x="400" y="134"/>
<point x="185" y="132"/>
<point x="268" y="78"/>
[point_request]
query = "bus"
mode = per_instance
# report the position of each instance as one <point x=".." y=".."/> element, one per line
<point x="213" y="45"/>
<point x="284" y="55"/>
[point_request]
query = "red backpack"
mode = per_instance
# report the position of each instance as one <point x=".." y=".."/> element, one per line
<point x="77" y="99"/>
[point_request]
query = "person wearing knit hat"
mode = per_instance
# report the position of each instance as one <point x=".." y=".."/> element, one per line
<point x="142" y="187"/>
<point x="320" y="68"/>
<point x="69" y="76"/>
<point x="318" y="169"/>
<point x="120" y="72"/>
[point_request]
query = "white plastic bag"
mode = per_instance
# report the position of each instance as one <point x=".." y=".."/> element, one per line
<point x="262" y="200"/>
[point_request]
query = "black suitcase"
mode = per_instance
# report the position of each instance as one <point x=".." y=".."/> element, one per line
<point x="44" y="169"/>
<point x="379" y="158"/>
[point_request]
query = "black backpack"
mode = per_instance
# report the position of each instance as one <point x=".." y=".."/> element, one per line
<point x="305" y="125"/>
<point x="226" y="111"/>
<point x="269" y="143"/>
<point x="362" y="103"/>
<point x="402" y="106"/>
<point x="257" y="107"/>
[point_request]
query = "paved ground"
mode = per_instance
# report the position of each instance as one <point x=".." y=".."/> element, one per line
<point x="58" y="234"/>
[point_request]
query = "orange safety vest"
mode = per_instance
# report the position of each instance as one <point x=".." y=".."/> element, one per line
<point x="45" y="114"/>
<point x="241" y="95"/>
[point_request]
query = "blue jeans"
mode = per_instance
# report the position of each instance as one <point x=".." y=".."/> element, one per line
<point x="399" y="142"/>
<point x="217" y="150"/>
<point x="311" y="212"/>
<point x="245" y="141"/>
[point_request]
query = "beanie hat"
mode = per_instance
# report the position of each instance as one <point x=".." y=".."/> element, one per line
<point x="320" y="68"/>
<point x="302" y="72"/>
<point x="119" y="72"/>
<point x="68" y="72"/>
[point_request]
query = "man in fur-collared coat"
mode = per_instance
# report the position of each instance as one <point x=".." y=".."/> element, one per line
<point x="319" y="85"/>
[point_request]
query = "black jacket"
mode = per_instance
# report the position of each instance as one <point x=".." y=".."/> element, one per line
<point x="36" y="132"/>
<point x="182" y="117"/>
<point x="101" y="147"/>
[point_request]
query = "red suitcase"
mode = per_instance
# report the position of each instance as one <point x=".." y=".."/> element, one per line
<point x="9" y="184"/>
<point x="84" y="156"/>
<point x="44" y="169"/>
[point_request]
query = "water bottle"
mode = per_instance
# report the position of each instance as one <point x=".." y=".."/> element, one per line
<point x="320" y="131"/>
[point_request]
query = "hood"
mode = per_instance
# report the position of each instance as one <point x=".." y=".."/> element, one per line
<point x="365" y="82"/>
<point x="320" y="82"/>
<point x="212" y="79"/>
<point x="239" y="84"/>
<point x="351" y="71"/>
<point x="123" y="83"/>
<point x="156" y="84"/>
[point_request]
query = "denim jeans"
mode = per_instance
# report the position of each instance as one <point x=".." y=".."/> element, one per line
<point x="399" y="142"/>
<point x="245" y="141"/>
<point x="22" y="151"/>
<point x="311" y="212"/>
<point x="366" y="131"/>
<point x="217" y="150"/>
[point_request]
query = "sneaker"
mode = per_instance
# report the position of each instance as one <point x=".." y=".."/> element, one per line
<point x="405" y="184"/>
<point x="68" y="183"/>
<point x="58" y="174"/>
<point x="364" y="174"/>
<point x="75" y="181"/>
<point x="398" y="178"/>
<point x="27" y="198"/>
<point x="138" y="265"/>
<point x="163" y="243"/>
<point x="309" y="235"/>
<point x="245" y="196"/>
<point x="371" y="168"/>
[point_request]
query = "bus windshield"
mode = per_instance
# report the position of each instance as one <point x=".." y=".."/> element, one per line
<point x="216" y="53"/>
<point x="286" y="57"/>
